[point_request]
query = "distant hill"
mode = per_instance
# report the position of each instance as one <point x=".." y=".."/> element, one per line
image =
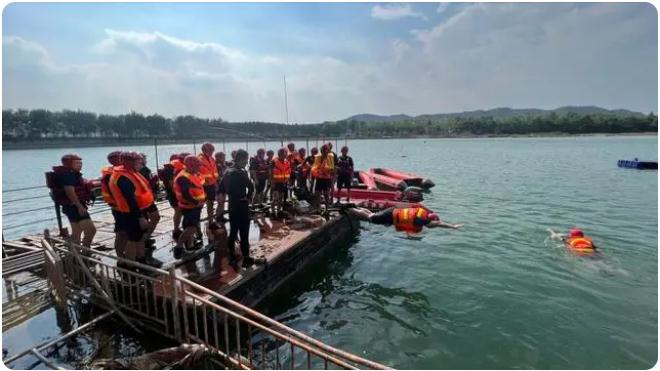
<point x="500" y="112"/>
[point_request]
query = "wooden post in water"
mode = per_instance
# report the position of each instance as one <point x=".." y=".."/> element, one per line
<point x="223" y="147"/>
<point x="307" y="146"/>
<point x="156" y="150"/>
<point x="194" y="147"/>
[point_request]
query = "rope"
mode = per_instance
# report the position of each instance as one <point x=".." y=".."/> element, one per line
<point x="22" y="189"/>
<point x="27" y="211"/>
<point x="24" y="199"/>
<point x="30" y="222"/>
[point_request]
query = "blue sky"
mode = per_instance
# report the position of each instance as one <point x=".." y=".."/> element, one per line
<point x="228" y="59"/>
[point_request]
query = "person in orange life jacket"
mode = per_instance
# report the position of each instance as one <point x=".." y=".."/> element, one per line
<point x="190" y="195"/>
<point x="410" y="220"/>
<point x="258" y="168"/>
<point x="133" y="197"/>
<point x="575" y="240"/>
<point x="280" y="173"/>
<point x="70" y="190"/>
<point x="302" y="171"/>
<point x="222" y="167"/>
<point x="333" y="180"/>
<point x="294" y="160"/>
<point x="209" y="172"/>
<point x="114" y="158"/>
<point x="344" y="167"/>
<point x="238" y="188"/>
<point x="323" y="170"/>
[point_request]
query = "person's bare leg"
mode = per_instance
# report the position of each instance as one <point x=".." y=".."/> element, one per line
<point x="76" y="232"/>
<point x="154" y="218"/>
<point x="177" y="218"/>
<point x="221" y="205"/>
<point x="131" y="250"/>
<point x="209" y="210"/>
<point x="89" y="231"/>
<point x="120" y="244"/>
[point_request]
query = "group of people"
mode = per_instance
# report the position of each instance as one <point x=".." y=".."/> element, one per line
<point x="191" y="183"/>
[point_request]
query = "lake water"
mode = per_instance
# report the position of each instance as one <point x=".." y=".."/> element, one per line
<point x="496" y="294"/>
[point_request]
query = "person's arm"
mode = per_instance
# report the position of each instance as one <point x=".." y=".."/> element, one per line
<point x="68" y="182"/>
<point x="128" y="191"/>
<point x="185" y="190"/>
<point x="441" y="224"/>
<point x="556" y="236"/>
<point x="250" y="187"/>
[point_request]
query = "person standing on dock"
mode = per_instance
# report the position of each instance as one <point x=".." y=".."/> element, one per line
<point x="258" y="168"/>
<point x="210" y="173"/>
<point x="239" y="189"/>
<point x="302" y="173"/>
<point x="309" y="161"/>
<point x="222" y="167"/>
<point x="190" y="195"/>
<point x="280" y="173"/>
<point x="344" y="174"/>
<point x="70" y="190"/>
<point x="293" y="157"/>
<point x="153" y="215"/>
<point x="133" y="197"/>
<point x="409" y="219"/>
<point x="268" y="192"/>
<point x="323" y="170"/>
<point x="167" y="174"/>
<point x="114" y="158"/>
<point x="333" y="180"/>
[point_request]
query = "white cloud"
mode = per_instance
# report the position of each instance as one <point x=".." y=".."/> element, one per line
<point x="393" y="12"/>
<point x="442" y="7"/>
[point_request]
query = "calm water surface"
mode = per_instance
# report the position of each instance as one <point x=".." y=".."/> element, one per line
<point x="496" y="294"/>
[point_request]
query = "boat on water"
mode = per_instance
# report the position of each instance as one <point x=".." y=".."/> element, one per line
<point x="388" y="183"/>
<point x="364" y="180"/>
<point x="409" y="178"/>
<point x="636" y="164"/>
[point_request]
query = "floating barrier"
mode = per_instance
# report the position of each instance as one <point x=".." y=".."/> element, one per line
<point x="636" y="164"/>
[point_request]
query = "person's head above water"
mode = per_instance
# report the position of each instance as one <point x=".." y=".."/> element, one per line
<point x="575" y="233"/>
<point x="434" y="216"/>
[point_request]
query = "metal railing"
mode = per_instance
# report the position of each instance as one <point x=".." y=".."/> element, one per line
<point x="182" y="310"/>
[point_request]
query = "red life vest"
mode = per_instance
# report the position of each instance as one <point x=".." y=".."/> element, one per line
<point x="143" y="195"/>
<point x="294" y="159"/>
<point x="404" y="219"/>
<point x="178" y="166"/>
<point x="196" y="190"/>
<point x="281" y="171"/>
<point x="106" y="173"/>
<point x="580" y="244"/>
<point x="58" y="195"/>
<point x="323" y="168"/>
<point x="262" y="167"/>
<point x="208" y="170"/>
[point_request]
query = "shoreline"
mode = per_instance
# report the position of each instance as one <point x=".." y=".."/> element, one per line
<point x="107" y="142"/>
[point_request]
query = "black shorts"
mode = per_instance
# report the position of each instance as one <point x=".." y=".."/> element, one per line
<point x="191" y="217"/>
<point x="384" y="217"/>
<point x="151" y="209"/>
<point x="130" y="224"/>
<point x="280" y="187"/>
<point x="210" y="191"/>
<point x="71" y="212"/>
<point x="260" y="185"/>
<point x="171" y="198"/>
<point x="322" y="184"/>
<point x="344" y="181"/>
<point x="116" y="217"/>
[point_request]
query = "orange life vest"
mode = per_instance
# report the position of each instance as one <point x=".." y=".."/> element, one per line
<point x="196" y="190"/>
<point x="294" y="159"/>
<point x="580" y="243"/>
<point x="323" y="168"/>
<point x="404" y="219"/>
<point x="178" y="166"/>
<point x="106" y="173"/>
<point x="143" y="195"/>
<point x="281" y="171"/>
<point x="208" y="170"/>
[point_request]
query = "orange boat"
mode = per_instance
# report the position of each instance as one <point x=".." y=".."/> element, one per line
<point x="365" y="180"/>
<point x="409" y="178"/>
<point x="386" y="182"/>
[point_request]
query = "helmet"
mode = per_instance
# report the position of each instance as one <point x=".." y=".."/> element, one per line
<point x="219" y="155"/>
<point x="291" y="146"/>
<point x="325" y="148"/>
<point x="314" y="150"/>
<point x="301" y="150"/>
<point x="130" y="159"/>
<point x="208" y="148"/>
<point x="270" y="152"/>
<point x="434" y="216"/>
<point x="281" y="152"/>
<point x="343" y="149"/>
<point x="192" y="163"/>
<point x="261" y="152"/>
<point x="576" y="232"/>
<point x="69" y="158"/>
<point x="114" y="158"/>
<point x="174" y="156"/>
<point x="183" y="155"/>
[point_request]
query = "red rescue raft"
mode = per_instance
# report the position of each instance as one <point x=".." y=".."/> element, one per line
<point x="374" y="205"/>
<point x="369" y="194"/>
<point x="365" y="180"/>
<point x="409" y="178"/>
<point x="385" y="182"/>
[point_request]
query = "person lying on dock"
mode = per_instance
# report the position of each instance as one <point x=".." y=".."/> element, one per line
<point x="410" y="220"/>
<point x="575" y="241"/>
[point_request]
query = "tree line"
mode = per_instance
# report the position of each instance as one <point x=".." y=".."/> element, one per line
<point x="34" y="124"/>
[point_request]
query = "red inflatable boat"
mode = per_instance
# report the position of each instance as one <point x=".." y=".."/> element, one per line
<point x="364" y="180"/>
<point x="370" y="194"/>
<point x="408" y="178"/>
<point x="386" y="182"/>
<point x="374" y="205"/>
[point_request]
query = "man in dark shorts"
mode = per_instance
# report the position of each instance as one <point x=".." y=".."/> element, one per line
<point x="344" y="174"/>
<point x="222" y="167"/>
<point x="209" y="171"/>
<point x="280" y="173"/>
<point x="190" y="196"/>
<point x="323" y="171"/>
<point x="133" y="197"/>
<point x="114" y="158"/>
<point x="239" y="189"/>
<point x="70" y="190"/>
<point x="152" y="210"/>
<point x="410" y="220"/>
<point x="258" y="168"/>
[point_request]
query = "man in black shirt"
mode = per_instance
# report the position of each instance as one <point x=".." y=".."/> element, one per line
<point x="344" y="166"/>
<point x="239" y="189"/>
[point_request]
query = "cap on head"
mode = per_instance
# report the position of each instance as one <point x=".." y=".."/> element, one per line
<point x="69" y="158"/>
<point x="314" y="151"/>
<point x="114" y="158"/>
<point x="344" y="149"/>
<point x="325" y="148"/>
<point x="291" y="146"/>
<point x="270" y="152"/>
<point x="208" y="148"/>
<point x="261" y="152"/>
<point x="219" y="155"/>
<point x="281" y="152"/>
<point x="576" y="232"/>
<point x="183" y="155"/>
<point x="174" y="156"/>
<point x="434" y="216"/>
<point x="301" y="150"/>
<point x="192" y="162"/>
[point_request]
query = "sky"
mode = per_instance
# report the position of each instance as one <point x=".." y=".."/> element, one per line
<point x="229" y="60"/>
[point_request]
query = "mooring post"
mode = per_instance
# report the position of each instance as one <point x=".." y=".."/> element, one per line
<point x="175" y="305"/>
<point x="156" y="150"/>
<point x="307" y="146"/>
<point x="194" y="147"/>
